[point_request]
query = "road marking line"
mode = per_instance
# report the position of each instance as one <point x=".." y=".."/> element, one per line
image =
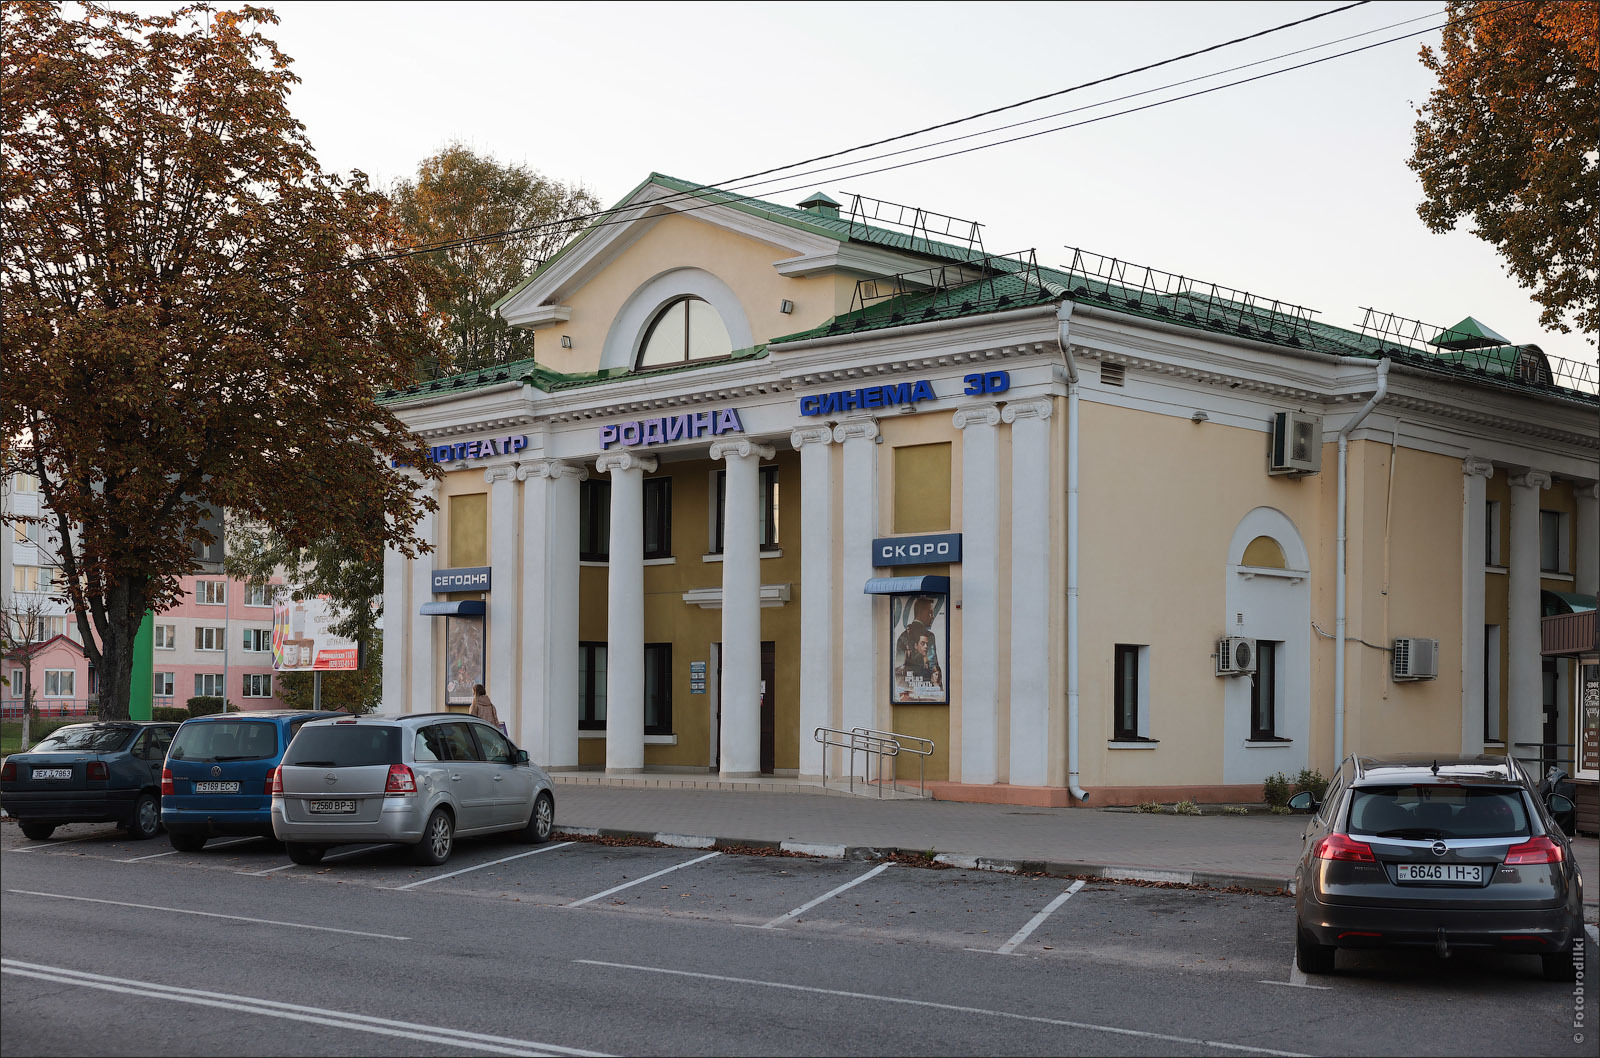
<point x="640" y="881"/>
<point x="325" y="859"/>
<point x="476" y="1041"/>
<point x="1139" y="1033"/>
<point x="206" y="914"/>
<point x="479" y="867"/>
<point x="1037" y="920"/>
<point x="152" y="856"/>
<point x="832" y="892"/>
<point x="1291" y="984"/>
<point x="52" y="844"/>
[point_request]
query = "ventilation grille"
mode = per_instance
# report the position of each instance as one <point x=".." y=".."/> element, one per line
<point x="1112" y="374"/>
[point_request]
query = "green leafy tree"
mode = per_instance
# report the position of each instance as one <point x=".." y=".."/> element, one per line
<point x="460" y="194"/>
<point x="1508" y="138"/>
<point x="182" y="323"/>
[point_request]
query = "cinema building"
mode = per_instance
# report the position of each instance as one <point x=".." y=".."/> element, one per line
<point x="778" y="469"/>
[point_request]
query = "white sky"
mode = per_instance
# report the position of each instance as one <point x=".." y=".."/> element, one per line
<point x="1294" y="187"/>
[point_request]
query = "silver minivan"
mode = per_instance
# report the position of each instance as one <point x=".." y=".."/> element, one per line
<point x="416" y="780"/>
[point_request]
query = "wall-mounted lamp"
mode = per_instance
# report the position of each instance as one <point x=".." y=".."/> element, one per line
<point x="566" y="342"/>
<point x="1199" y="416"/>
<point x="786" y="306"/>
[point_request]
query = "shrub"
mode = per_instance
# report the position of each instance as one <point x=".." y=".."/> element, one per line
<point x="204" y="705"/>
<point x="1277" y="789"/>
<point x="1186" y="808"/>
<point x="1235" y="810"/>
<point x="169" y="714"/>
<point x="1312" y="782"/>
<point x="1281" y="810"/>
<point x="1148" y="806"/>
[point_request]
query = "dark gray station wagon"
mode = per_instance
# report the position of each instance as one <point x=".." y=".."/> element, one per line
<point x="107" y="772"/>
<point x="1446" y="853"/>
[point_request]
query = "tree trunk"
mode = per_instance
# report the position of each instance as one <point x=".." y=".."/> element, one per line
<point x="125" y="610"/>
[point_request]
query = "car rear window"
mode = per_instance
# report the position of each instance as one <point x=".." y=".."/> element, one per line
<point x="85" y="738"/>
<point x="1438" y="811"/>
<point x="217" y="741"/>
<point x="344" y="746"/>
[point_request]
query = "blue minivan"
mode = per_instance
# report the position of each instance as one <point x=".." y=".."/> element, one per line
<point x="218" y="775"/>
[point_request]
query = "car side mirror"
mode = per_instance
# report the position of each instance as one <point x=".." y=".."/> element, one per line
<point x="1304" y="802"/>
<point x="1559" y="804"/>
<point x="522" y="756"/>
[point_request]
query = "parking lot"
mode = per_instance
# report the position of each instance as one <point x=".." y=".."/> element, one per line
<point x="1174" y="968"/>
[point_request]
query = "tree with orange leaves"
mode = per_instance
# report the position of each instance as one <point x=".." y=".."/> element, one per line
<point x="183" y="324"/>
<point x="1508" y="138"/>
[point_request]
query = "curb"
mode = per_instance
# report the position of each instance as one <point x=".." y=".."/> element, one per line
<point x="1260" y="883"/>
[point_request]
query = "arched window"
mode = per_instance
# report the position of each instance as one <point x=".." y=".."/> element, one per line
<point x="686" y="329"/>
<point x="1264" y="552"/>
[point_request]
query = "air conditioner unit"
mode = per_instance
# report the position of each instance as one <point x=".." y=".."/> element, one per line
<point x="1296" y="444"/>
<point x="1416" y="659"/>
<point x="1236" y="656"/>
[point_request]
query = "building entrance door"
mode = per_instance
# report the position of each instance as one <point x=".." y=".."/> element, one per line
<point x="768" y="712"/>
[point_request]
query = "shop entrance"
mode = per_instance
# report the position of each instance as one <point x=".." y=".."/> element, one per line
<point x="768" y="713"/>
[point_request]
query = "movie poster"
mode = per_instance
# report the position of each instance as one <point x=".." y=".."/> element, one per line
<point x="463" y="658"/>
<point x="919" y="627"/>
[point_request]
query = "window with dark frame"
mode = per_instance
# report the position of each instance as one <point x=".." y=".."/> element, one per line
<point x="1264" y="694"/>
<point x="1125" y="706"/>
<point x="685" y="330"/>
<point x="658" y="688"/>
<point x="658" y="517"/>
<point x="1552" y="525"/>
<point x="768" y="513"/>
<point x="591" y="686"/>
<point x="594" y="519"/>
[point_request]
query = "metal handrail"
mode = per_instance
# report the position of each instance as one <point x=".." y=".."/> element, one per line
<point x="923" y="749"/>
<point x="872" y="745"/>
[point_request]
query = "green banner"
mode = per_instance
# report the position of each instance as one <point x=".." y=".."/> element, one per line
<point x="139" y="686"/>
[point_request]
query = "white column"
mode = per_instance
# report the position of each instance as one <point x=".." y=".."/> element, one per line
<point x="1586" y="567"/>
<point x="548" y="708"/>
<point x="503" y="609"/>
<point x="397" y="612"/>
<point x="860" y="671"/>
<point x="741" y="607"/>
<point x="1524" y="682"/>
<point x="980" y="593"/>
<point x="1475" y="476"/>
<point x="817" y="629"/>
<point x="426" y="694"/>
<point x="1030" y="590"/>
<point x="625" y="612"/>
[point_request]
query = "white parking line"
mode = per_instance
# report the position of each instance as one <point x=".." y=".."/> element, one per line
<point x="325" y="859"/>
<point x="830" y="893"/>
<point x="479" y="867"/>
<point x="1033" y="923"/>
<point x="646" y="878"/>
<point x="207" y="914"/>
<point x="52" y="844"/>
<point x="433" y="1034"/>
<point x="867" y="996"/>
<point x="174" y="852"/>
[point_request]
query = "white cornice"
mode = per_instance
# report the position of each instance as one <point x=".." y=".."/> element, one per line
<point x="868" y="261"/>
<point x="542" y="315"/>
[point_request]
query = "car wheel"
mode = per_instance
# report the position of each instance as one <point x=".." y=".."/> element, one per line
<point x="38" y="831"/>
<point x="1311" y="957"/>
<point x="438" y="837"/>
<point x="146" y="818"/>
<point x="305" y="855"/>
<point x="1560" y="966"/>
<point x="186" y="842"/>
<point x="541" y="821"/>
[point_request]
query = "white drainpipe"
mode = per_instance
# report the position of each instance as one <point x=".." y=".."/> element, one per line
<point x="1339" y="605"/>
<point x="1063" y="318"/>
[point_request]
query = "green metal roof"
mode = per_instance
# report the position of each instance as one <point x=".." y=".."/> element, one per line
<point x="1468" y="334"/>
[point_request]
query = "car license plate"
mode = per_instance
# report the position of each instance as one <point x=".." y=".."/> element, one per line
<point x="216" y="787"/>
<point x="52" y="773"/>
<point x="1462" y="873"/>
<point x="331" y="806"/>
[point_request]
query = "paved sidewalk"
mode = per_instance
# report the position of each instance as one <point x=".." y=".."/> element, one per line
<point x="1256" y="851"/>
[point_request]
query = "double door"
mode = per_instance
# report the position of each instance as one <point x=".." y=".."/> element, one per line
<point x="768" y="713"/>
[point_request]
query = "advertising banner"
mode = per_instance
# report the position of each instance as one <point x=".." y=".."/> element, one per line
<point x="917" y="626"/>
<point x="463" y="658"/>
<point x="302" y="642"/>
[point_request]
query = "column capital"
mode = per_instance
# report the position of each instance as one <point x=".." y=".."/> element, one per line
<point x="811" y="435"/>
<point x="504" y="472"/>
<point x="856" y="430"/>
<point x="1472" y="466"/>
<point x="977" y="415"/>
<point x="625" y="461"/>
<point x="1590" y="491"/>
<point x="1531" y="479"/>
<point x="549" y="468"/>
<point x="1032" y="408"/>
<point x="743" y="449"/>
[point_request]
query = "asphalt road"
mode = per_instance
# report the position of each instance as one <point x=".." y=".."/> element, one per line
<point x="124" y="948"/>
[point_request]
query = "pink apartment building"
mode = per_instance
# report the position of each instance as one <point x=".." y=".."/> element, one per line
<point x="217" y="642"/>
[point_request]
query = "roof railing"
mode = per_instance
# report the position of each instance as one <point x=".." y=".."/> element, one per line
<point x="920" y="223"/>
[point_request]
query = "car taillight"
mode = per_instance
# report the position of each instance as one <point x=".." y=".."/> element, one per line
<point x="97" y="770"/>
<point x="1540" y="850"/>
<point x="400" y="780"/>
<point x="166" y="782"/>
<point x="8" y="772"/>
<point x="275" y="781"/>
<point x="1343" y="847"/>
